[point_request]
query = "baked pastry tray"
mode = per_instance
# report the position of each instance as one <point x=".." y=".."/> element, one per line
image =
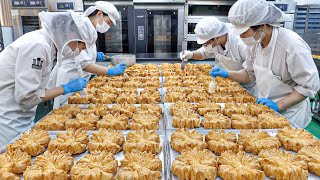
<point x="119" y="156"/>
<point x="85" y="106"/>
<point x="169" y="118"/>
<point x="172" y="154"/>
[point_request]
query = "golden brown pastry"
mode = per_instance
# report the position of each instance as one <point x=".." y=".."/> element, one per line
<point x="256" y="109"/>
<point x="234" y="108"/>
<point x="204" y="108"/>
<point x="126" y="109"/>
<point x="147" y="121"/>
<point x="243" y="121"/>
<point x="130" y="98"/>
<point x="67" y="110"/>
<point x="151" y="109"/>
<point x="12" y="163"/>
<point x="73" y="142"/>
<point x="184" y="138"/>
<point x="104" y="98"/>
<point x="132" y="84"/>
<point x="99" y="109"/>
<point x="140" y="165"/>
<point x="78" y="99"/>
<point x="239" y="166"/>
<point x="195" y="164"/>
<point x="142" y="140"/>
<point x="215" y="121"/>
<point x="34" y="142"/>
<point x="278" y="164"/>
<point x="272" y="121"/>
<point x="106" y="140"/>
<point x="221" y="98"/>
<point x="52" y="165"/>
<point x="83" y="121"/>
<point x="195" y="97"/>
<point x="219" y="141"/>
<point x="244" y="97"/>
<point x="149" y="97"/>
<point x="312" y="156"/>
<point x="253" y="141"/>
<point x="295" y="139"/>
<point x="186" y="119"/>
<point x="52" y="122"/>
<point x="175" y="97"/>
<point x="181" y="105"/>
<point x="116" y="121"/>
<point x="97" y="165"/>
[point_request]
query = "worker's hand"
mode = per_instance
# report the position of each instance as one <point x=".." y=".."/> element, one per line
<point x="216" y="71"/>
<point x="265" y="101"/>
<point x="185" y="55"/>
<point x="117" y="70"/>
<point x="74" y="85"/>
<point x="100" y="57"/>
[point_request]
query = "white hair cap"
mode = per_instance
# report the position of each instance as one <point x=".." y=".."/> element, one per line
<point x="209" y="28"/>
<point x="246" y="13"/>
<point x="106" y="7"/>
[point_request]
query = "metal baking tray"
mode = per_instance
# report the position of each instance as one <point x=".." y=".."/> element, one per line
<point x="172" y="154"/>
<point x="85" y="106"/>
<point x="119" y="156"/>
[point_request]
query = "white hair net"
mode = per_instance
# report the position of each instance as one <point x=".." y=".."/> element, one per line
<point x="246" y="13"/>
<point x="107" y="8"/>
<point x="210" y="27"/>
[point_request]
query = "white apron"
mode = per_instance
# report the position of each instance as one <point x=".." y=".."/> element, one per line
<point x="269" y="86"/>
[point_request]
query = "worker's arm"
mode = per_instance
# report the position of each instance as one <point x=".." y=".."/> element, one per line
<point x="238" y="76"/>
<point x="52" y="93"/>
<point x="96" y="69"/>
<point x="197" y="55"/>
<point x="292" y="99"/>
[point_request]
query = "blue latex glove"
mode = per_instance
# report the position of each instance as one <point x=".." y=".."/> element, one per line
<point x="265" y="101"/>
<point x="216" y="71"/>
<point x="117" y="70"/>
<point x="74" y="85"/>
<point x="100" y="57"/>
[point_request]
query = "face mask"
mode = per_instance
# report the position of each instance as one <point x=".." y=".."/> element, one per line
<point x="68" y="53"/>
<point x="250" y="41"/>
<point x="104" y="27"/>
<point x="209" y="48"/>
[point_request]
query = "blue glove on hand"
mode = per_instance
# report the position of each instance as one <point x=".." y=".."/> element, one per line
<point x="100" y="57"/>
<point x="117" y="70"/>
<point x="74" y="85"/>
<point x="265" y="101"/>
<point x="216" y="71"/>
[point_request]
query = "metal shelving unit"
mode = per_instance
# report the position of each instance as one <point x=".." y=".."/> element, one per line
<point x="307" y="25"/>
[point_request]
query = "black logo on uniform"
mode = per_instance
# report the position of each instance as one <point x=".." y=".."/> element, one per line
<point x="37" y="63"/>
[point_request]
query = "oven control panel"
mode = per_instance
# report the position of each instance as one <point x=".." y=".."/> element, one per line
<point x="29" y="3"/>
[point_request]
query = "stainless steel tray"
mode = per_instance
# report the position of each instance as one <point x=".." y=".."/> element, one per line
<point x="172" y="154"/>
<point x="119" y="156"/>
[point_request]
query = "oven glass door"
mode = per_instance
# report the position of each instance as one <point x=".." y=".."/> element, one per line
<point x="209" y="10"/>
<point x="162" y="31"/>
<point x="30" y="23"/>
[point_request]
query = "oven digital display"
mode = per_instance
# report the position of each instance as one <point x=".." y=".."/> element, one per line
<point x="283" y="7"/>
<point x="28" y="3"/>
<point x="65" y="5"/>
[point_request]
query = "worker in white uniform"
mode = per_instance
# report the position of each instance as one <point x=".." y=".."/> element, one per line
<point x="229" y="51"/>
<point x="25" y="66"/>
<point x="102" y="15"/>
<point x="280" y="61"/>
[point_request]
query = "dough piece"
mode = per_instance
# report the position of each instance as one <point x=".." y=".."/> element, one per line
<point x="144" y="121"/>
<point x="13" y="162"/>
<point x="195" y="164"/>
<point x="272" y="121"/>
<point x="78" y="99"/>
<point x="295" y="139"/>
<point x="140" y="165"/>
<point x="244" y="97"/>
<point x="52" y="122"/>
<point x="239" y="166"/>
<point x="130" y="98"/>
<point x="142" y="140"/>
<point x="234" y="108"/>
<point x="186" y="119"/>
<point x="221" y="97"/>
<point x="149" y="97"/>
<point x="34" y="142"/>
<point x="241" y="121"/>
<point x="97" y="165"/>
<point x="67" y="110"/>
<point x="204" y="108"/>
<point x="256" y="109"/>
<point x="175" y="97"/>
<point x="195" y="96"/>
<point x="99" y="109"/>
<point x="253" y="141"/>
<point x="126" y="109"/>
<point x="83" y="121"/>
<point x="116" y="121"/>
<point x="184" y="138"/>
<point x="216" y="121"/>
<point x="73" y="142"/>
<point x="278" y="164"/>
<point x="181" y="106"/>
<point x="219" y="142"/>
<point x="104" y="98"/>
<point x="151" y="109"/>
<point x="55" y="165"/>
<point x="106" y="140"/>
<point x="312" y="156"/>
